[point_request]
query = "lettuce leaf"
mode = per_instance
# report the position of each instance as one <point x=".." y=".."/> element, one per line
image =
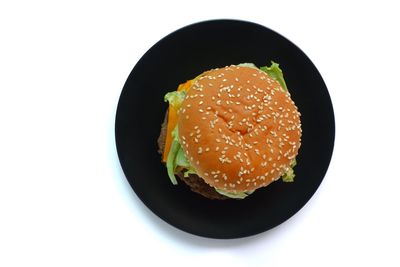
<point x="275" y="72"/>
<point x="172" y="156"/>
<point x="171" y="161"/>
<point x="181" y="159"/>
<point x="176" y="158"/>
<point x="191" y="170"/>
<point x="288" y="177"/>
<point x="238" y="195"/>
<point x="249" y="65"/>
<point x="175" y="98"/>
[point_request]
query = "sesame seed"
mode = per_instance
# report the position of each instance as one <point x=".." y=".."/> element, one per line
<point x="264" y="164"/>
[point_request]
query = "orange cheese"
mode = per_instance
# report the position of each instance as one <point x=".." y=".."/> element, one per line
<point x="173" y="120"/>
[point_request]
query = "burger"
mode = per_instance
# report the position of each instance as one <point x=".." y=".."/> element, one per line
<point x="230" y="131"/>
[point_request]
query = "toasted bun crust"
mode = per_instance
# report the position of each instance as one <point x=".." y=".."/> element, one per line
<point x="239" y="128"/>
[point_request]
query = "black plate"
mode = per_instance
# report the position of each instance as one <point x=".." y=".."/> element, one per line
<point x="184" y="54"/>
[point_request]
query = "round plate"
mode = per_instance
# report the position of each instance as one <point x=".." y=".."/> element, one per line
<point x="181" y="56"/>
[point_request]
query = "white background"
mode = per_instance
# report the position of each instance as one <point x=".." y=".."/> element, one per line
<point x="64" y="200"/>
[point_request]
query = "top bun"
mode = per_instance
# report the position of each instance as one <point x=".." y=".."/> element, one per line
<point x="239" y="128"/>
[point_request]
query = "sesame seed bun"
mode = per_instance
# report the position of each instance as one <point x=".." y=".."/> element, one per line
<point x="238" y="128"/>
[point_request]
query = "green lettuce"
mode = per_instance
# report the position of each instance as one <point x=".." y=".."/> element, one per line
<point x="191" y="170"/>
<point x="249" y="65"/>
<point x="288" y="177"/>
<point x="181" y="159"/>
<point x="238" y="195"/>
<point x="275" y="72"/>
<point x="176" y="158"/>
<point x="171" y="161"/>
<point x="175" y="98"/>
